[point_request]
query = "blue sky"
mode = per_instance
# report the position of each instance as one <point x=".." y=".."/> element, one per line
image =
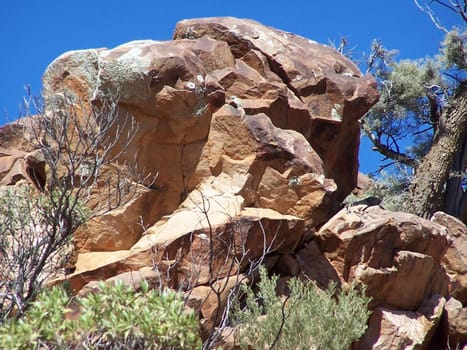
<point x="33" y="32"/>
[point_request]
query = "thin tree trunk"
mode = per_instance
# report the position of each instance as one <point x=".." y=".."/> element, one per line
<point x="427" y="189"/>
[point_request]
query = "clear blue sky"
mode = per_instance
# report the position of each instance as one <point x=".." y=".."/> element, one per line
<point x="33" y="32"/>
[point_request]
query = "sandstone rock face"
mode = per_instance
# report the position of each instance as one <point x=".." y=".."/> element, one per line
<point x="327" y="86"/>
<point x="244" y="125"/>
<point x="455" y="259"/>
<point x="397" y="255"/>
<point x="402" y="330"/>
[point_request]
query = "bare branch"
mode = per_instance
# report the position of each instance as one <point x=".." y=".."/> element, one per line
<point x="387" y="151"/>
<point x="79" y="146"/>
<point x="452" y="5"/>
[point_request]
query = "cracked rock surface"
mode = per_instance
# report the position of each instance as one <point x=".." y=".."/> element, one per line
<point x="233" y="108"/>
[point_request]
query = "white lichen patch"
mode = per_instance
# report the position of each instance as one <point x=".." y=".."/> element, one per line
<point x="200" y="79"/>
<point x="203" y="236"/>
<point x="234" y="29"/>
<point x="190" y="85"/>
<point x="297" y="78"/>
<point x="334" y="112"/>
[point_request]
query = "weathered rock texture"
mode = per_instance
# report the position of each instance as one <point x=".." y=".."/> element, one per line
<point x="455" y="259"/>
<point x="253" y="134"/>
<point x="252" y="131"/>
<point x="392" y="253"/>
<point x="395" y="329"/>
<point x="456" y="323"/>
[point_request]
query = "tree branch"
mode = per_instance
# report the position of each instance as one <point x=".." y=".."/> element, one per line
<point x="453" y="5"/>
<point x="387" y="151"/>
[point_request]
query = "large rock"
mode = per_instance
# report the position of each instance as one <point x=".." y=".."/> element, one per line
<point x="455" y="259"/>
<point x="230" y="113"/>
<point x="316" y="78"/>
<point x="391" y="329"/>
<point x="397" y="255"/>
<point x="253" y="134"/>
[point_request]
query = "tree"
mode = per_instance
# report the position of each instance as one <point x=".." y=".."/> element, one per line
<point x="423" y="103"/>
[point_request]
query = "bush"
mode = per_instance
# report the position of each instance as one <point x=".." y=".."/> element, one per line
<point x="308" y="316"/>
<point x="116" y="317"/>
<point x="31" y="243"/>
<point x="77" y="173"/>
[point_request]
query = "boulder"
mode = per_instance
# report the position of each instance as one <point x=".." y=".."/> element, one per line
<point x="456" y="320"/>
<point x="455" y="259"/>
<point x="203" y="98"/>
<point x="397" y="255"/>
<point x="392" y="329"/>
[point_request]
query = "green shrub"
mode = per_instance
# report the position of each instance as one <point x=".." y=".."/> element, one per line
<point x="309" y="316"/>
<point x="116" y="317"/>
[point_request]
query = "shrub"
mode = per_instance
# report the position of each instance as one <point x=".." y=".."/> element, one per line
<point x="116" y="317"/>
<point x="78" y="174"/>
<point x="308" y="316"/>
<point x="31" y="241"/>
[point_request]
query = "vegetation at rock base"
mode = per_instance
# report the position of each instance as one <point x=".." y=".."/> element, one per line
<point x="306" y="316"/>
<point x="74" y="162"/>
<point x="30" y="249"/>
<point x="116" y="317"/>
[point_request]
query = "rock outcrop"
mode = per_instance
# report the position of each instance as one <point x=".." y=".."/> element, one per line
<point x="246" y="126"/>
<point x="254" y="135"/>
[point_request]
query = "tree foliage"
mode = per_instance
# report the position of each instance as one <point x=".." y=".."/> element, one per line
<point x="420" y="122"/>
